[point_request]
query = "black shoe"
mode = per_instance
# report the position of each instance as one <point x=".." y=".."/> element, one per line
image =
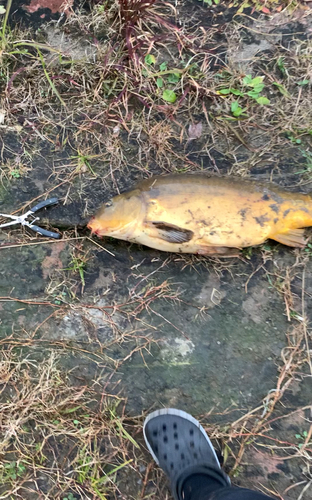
<point x="181" y="447"/>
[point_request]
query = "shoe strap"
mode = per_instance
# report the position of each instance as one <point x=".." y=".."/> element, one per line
<point x="210" y="471"/>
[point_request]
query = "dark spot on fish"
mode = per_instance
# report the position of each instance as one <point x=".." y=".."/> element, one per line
<point x="276" y="197"/>
<point x="212" y="233"/>
<point x="204" y="223"/>
<point x="275" y="208"/>
<point x="275" y="220"/>
<point x="261" y="220"/>
<point x="265" y="197"/>
<point x="208" y="207"/>
<point x="243" y="212"/>
<point x="286" y="212"/>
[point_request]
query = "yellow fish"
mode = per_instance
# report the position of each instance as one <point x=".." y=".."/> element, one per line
<point x="202" y="214"/>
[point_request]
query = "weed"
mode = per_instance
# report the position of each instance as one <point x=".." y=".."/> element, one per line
<point x="12" y="471"/>
<point x="293" y="139"/>
<point x="308" y="166"/>
<point x="281" y="66"/>
<point x="247" y="252"/>
<point x="303" y="436"/>
<point x="15" y="173"/>
<point x="308" y="249"/>
<point x="303" y="82"/>
<point x="249" y="87"/>
<point x="5" y="12"/>
<point x="78" y="264"/>
<point x="128" y="20"/>
<point x="83" y="163"/>
<point x="69" y="496"/>
<point x="210" y="2"/>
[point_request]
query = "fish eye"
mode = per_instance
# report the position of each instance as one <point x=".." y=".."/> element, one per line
<point x="109" y="203"/>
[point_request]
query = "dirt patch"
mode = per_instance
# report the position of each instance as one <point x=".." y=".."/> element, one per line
<point x="53" y="261"/>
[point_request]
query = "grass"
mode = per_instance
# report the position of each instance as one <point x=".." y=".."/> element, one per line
<point x="127" y="109"/>
<point x="150" y="72"/>
<point x="49" y="425"/>
<point x="78" y="440"/>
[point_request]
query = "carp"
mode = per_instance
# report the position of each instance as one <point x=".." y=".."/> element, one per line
<point x="202" y="214"/>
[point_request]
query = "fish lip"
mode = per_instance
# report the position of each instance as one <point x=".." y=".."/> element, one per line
<point x="96" y="231"/>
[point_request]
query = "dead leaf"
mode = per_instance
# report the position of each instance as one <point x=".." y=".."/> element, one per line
<point x="195" y="130"/>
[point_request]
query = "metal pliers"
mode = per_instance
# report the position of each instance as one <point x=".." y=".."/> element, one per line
<point x="22" y="219"/>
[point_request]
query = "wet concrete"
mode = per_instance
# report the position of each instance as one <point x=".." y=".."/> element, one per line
<point x="213" y="345"/>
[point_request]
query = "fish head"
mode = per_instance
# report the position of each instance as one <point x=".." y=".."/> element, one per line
<point x="118" y="216"/>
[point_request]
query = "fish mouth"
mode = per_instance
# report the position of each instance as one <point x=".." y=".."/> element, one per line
<point x="94" y="227"/>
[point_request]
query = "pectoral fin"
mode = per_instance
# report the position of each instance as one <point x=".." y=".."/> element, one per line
<point x="292" y="238"/>
<point x="170" y="232"/>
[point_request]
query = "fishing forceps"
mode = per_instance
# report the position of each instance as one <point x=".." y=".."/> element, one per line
<point x="22" y="219"/>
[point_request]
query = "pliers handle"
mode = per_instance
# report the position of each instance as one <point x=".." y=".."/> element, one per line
<point x="22" y="219"/>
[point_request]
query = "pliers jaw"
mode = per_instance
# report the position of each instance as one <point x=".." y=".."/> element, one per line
<point x="22" y="219"/>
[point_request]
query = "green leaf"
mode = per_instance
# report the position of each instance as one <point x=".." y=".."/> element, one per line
<point x="174" y="77"/>
<point x="247" y="79"/>
<point x="259" y="87"/>
<point x="159" y="82"/>
<point x="234" y="106"/>
<point x="236" y="92"/>
<point x="150" y="59"/>
<point x="263" y="100"/>
<point x="256" y="81"/>
<point x="281" y="65"/>
<point x="169" y="96"/>
<point x="236" y="109"/>
<point x="163" y="66"/>
<point x="281" y="88"/>
<point x="71" y="410"/>
<point x="253" y="94"/>
<point x="303" y="82"/>
<point x="224" y="91"/>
